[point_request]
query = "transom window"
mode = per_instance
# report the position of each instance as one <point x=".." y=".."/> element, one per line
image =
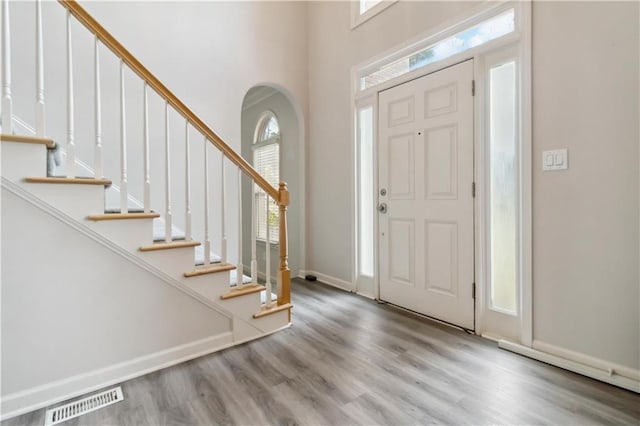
<point x="266" y="161"/>
<point x="490" y="29"/>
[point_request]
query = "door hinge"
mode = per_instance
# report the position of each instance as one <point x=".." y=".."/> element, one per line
<point x="473" y="189"/>
<point x="473" y="87"/>
<point x="473" y="290"/>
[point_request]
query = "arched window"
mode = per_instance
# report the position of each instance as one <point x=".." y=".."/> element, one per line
<point x="266" y="160"/>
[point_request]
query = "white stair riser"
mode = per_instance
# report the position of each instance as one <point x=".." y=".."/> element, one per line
<point x="76" y="200"/>
<point x="210" y="286"/>
<point x="173" y="262"/>
<point x="129" y="234"/>
<point x="243" y="306"/>
<point x="271" y="322"/>
<point x="20" y="160"/>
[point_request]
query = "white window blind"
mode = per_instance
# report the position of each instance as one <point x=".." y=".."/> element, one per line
<point x="266" y="161"/>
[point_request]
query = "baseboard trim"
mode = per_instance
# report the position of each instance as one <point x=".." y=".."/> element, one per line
<point x="328" y="279"/>
<point x="609" y="376"/>
<point x="52" y="393"/>
<point x="609" y="367"/>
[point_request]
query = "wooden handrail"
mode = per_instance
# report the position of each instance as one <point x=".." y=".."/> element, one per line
<point x="281" y="195"/>
<point x="114" y="45"/>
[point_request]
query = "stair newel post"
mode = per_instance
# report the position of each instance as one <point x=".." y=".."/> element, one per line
<point x="187" y="184"/>
<point x="240" y="268"/>
<point x="145" y="150"/>
<point x="284" y="274"/>
<point x="124" y="202"/>
<point x="167" y="174"/>
<point x="7" y="103"/>
<point x="267" y="248"/>
<point x="223" y="228"/>
<point x="254" y="231"/>
<point x="207" y="240"/>
<point x="71" y="147"/>
<point x="40" y="130"/>
<point x="99" y="173"/>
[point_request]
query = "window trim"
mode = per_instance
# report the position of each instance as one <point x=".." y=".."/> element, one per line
<point x="358" y="18"/>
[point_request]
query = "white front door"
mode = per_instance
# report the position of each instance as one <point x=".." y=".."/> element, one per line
<point x="425" y="129"/>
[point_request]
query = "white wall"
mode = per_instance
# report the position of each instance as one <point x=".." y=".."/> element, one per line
<point x="290" y="151"/>
<point x="585" y="245"/>
<point x="585" y="88"/>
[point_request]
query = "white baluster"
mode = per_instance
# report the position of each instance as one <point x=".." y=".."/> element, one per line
<point x="223" y="230"/>
<point x="7" y="105"/>
<point x="207" y="240"/>
<point x="254" y="226"/>
<point x="167" y="173"/>
<point x="71" y="146"/>
<point x="187" y="182"/>
<point x="267" y="248"/>
<point x="145" y="152"/>
<point x="240" y="267"/>
<point x="124" y="203"/>
<point x="99" y="173"/>
<point x="40" y="131"/>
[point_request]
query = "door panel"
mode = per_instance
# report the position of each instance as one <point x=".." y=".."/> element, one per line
<point x="426" y="164"/>
<point x="401" y="174"/>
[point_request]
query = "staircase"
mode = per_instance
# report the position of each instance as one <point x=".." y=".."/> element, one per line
<point x="80" y="215"/>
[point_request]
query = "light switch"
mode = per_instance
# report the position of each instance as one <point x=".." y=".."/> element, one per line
<point x="548" y="159"/>
<point x="555" y="160"/>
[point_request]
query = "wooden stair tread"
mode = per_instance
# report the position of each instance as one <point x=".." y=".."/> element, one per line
<point x="122" y="216"/>
<point x="211" y="269"/>
<point x="49" y="143"/>
<point x="129" y="210"/>
<point x="171" y="245"/>
<point x="274" y="309"/>
<point x="76" y="180"/>
<point x="242" y="291"/>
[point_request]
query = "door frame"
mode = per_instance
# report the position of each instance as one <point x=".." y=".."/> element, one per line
<point x="519" y="42"/>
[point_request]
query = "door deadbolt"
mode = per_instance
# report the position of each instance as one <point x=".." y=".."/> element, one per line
<point x="383" y="192"/>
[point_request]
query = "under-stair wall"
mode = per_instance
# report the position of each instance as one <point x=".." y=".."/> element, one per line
<point x="77" y="315"/>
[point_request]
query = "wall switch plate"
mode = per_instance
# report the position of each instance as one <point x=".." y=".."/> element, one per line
<point x="555" y="160"/>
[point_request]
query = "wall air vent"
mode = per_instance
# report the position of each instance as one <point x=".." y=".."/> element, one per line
<point x="83" y="406"/>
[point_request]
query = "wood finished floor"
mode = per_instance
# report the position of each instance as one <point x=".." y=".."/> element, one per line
<point x="348" y="360"/>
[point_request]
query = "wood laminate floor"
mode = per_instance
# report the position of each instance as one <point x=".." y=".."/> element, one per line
<point x="348" y="360"/>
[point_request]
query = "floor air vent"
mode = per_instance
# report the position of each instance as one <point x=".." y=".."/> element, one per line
<point x="83" y="406"/>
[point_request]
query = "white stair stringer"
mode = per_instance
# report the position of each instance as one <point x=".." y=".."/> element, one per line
<point x="87" y="231"/>
<point x="169" y="266"/>
<point x="81" y="200"/>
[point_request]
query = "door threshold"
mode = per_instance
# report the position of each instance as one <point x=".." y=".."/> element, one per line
<point x="466" y="330"/>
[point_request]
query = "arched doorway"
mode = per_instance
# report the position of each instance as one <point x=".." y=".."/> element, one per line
<point x="272" y="133"/>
